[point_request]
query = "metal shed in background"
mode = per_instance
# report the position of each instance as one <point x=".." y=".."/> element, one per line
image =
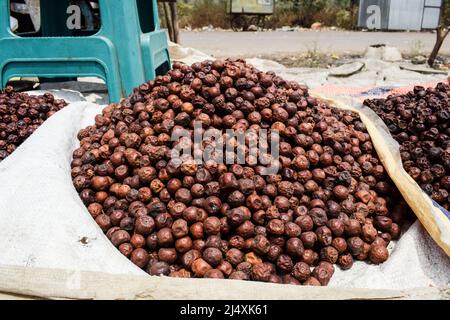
<point x="399" y="14"/>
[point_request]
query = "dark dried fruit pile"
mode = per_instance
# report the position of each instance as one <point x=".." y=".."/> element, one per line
<point x="330" y="203"/>
<point x="420" y="122"/>
<point x="20" y="115"/>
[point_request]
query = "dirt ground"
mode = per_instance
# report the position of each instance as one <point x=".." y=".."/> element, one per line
<point x="307" y="48"/>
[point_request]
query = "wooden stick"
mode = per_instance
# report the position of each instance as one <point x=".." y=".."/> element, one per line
<point x="441" y="34"/>
<point x="168" y="20"/>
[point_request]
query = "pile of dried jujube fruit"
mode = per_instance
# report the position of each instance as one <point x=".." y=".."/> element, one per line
<point x="420" y="122"/>
<point x="20" y="115"/>
<point x="331" y="201"/>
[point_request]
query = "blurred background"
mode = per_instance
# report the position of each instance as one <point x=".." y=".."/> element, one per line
<point x="407" y="39"/>
<point x="304" y="33"/>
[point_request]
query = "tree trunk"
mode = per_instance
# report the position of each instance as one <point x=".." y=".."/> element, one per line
<point x="174" y="16"/>
<point x="441" y="34"/>
<point x="168" y="20"/>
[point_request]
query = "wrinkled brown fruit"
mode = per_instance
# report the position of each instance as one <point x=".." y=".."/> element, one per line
<point x="229" y="221"/>
<point x="420" y="122"/>
<point x="20" y="115"/>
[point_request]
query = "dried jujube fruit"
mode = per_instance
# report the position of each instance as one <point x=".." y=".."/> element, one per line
<point x="329" y="202"/>
<point x="420" y="122"/>
<point x="21" y="114"/>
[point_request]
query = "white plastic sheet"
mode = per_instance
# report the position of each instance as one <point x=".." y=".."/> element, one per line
<point x="43" y="221"/>
<point x="45" y="225"/>
<point x="51" y="247"/>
